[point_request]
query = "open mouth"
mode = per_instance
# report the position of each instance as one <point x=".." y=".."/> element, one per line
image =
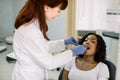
<point x="88" y="48"/>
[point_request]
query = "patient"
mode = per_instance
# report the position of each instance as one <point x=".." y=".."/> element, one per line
<point x="88" y="66"/>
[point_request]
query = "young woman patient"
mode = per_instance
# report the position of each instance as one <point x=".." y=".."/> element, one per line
<point x="88" y="66"/>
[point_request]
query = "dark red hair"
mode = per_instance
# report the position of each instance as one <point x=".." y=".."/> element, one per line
<point x="35" y="9"/>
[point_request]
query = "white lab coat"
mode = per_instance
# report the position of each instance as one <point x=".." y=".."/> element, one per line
<point x="33" y="53"/>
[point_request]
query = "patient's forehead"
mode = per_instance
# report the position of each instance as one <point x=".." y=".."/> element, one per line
<point x="91" y="37"/>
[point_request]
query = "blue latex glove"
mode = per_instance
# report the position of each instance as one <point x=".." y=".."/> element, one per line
<point x="77" y="50"/>
<point x="71" y="40"/>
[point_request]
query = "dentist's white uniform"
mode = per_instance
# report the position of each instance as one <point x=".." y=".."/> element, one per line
<point x="33" y="53"/>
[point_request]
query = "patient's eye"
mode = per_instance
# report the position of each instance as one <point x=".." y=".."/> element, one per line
<point x="94" y="41"/>
<point x="91" y="40"/>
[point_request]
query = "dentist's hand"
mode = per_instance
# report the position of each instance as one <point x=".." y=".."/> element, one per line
<point x="77" y="50"/>
<point x="71" y="40"/>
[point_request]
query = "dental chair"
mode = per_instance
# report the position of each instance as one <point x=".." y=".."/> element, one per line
<point x="60" y="74"/>
<point x="111" y="67"/>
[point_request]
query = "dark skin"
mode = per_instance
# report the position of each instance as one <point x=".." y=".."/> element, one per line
<point x="80" y="64"/>
<point x="87" y="62"/>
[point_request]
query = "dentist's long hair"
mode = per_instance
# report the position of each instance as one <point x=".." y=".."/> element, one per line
<point x="35" y="9"/>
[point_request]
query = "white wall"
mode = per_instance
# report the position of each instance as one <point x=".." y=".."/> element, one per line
<point x="91" y="14"/>
<point x="6" y="18"/>
<point x="113" y="4"/>
<point x="17" y="5"/>
<point x="57" y="27"/>
<point x="118" y="63"/>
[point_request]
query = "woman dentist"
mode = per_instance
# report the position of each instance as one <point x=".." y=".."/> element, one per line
<point x="31" y="45"/>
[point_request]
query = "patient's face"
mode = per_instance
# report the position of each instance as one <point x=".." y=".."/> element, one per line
<point x="91" y="44"/>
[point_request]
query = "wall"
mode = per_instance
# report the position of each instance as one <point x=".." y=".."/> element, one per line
<point x="57" y="27"/>
<point x="17" y="5"/>
<point x="90" y="15"/>
<point x="113" y="15"/>
<point x="6" y="18"/>
<point x="113" y="4"/>
<point x="118" y="63"/>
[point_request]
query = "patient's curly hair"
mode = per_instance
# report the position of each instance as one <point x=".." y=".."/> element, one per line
<point x="100" y="54"/>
